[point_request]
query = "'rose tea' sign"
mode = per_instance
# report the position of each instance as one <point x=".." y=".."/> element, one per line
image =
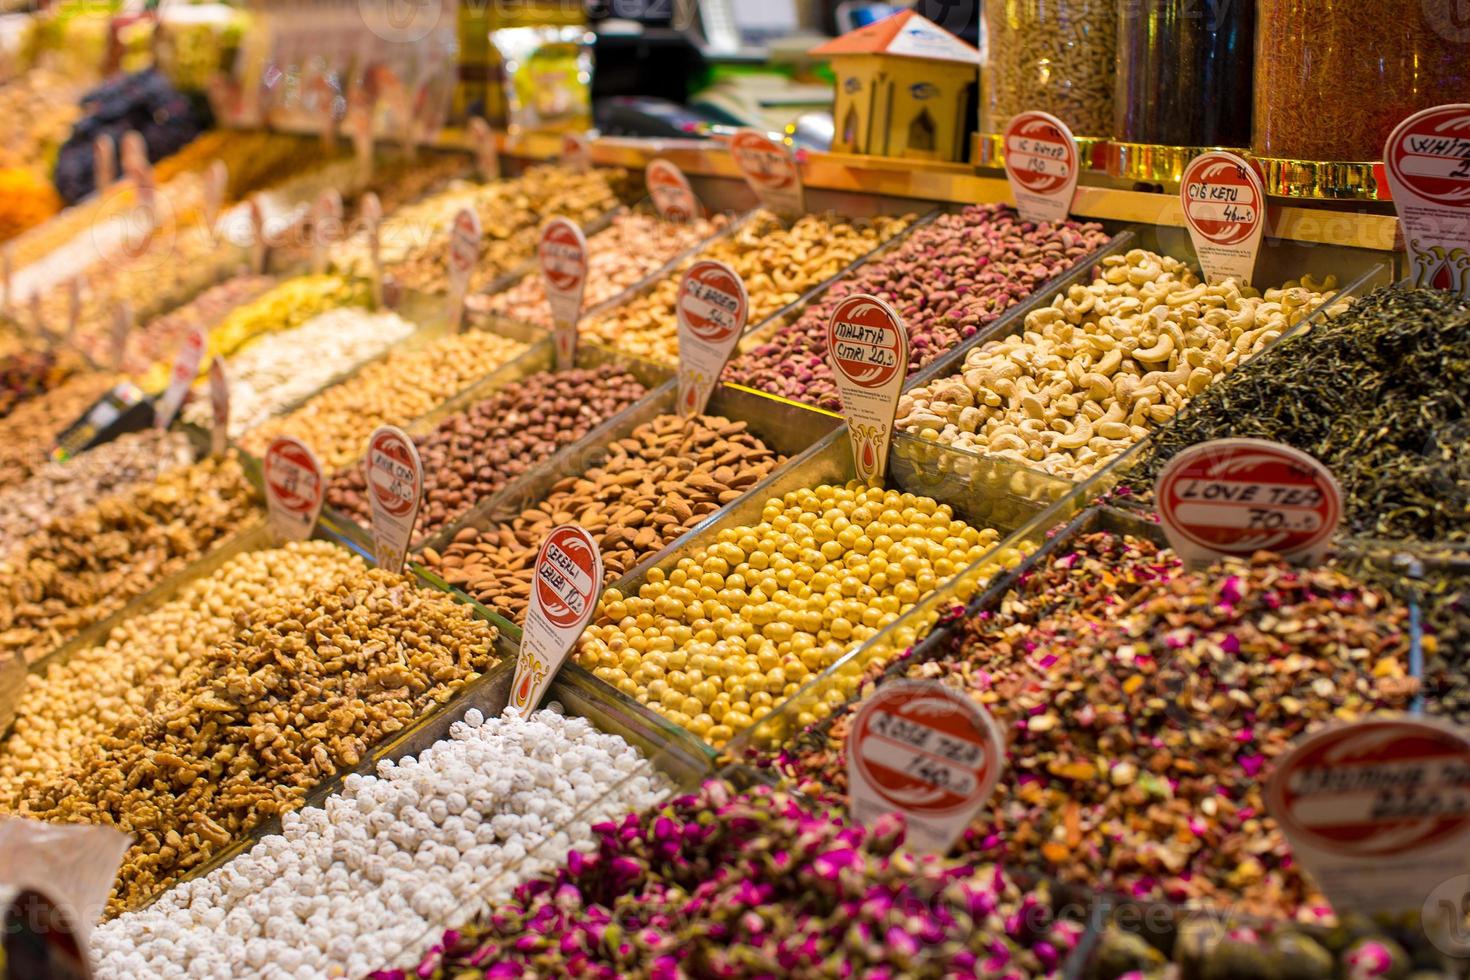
<point x="395" y="481"/>
<point x="563" y="257"/>
<point x="1427" y="160"/>
<point x="564" y="593"/>
<point x="294" y="488"/>
<point x="868" y="347"/>
<point x="711" y="308"/>
<point x="1042" y="165"/>
<point x="1225" y="207"/>
<point x="919" y="749"/>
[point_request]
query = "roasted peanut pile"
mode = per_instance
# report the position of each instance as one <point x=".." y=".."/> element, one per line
<point x="472" y="454"/>
<point x="75" y="703"/>
<point x="1090" y="373"/>
<point x="61" y="489"/>
<point x="666" y="477"/>
<point x="28" y="434"/>
<point x="80" y="569"/>
<point x="299" y="693"/>
<point x="392" y="391"/>
<point x="778" y="265"/>
<point x="634" y="246"/>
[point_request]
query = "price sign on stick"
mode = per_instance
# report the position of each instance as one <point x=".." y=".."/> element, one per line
<point x="868" y="347"/>
<point x="372" y="227"/>
<point x="563" y="257"/>
<point x="138" y="169"/>
<point x="1427" y="160"/>
<point x="1239" y="496"/>
<point x="186" y="369"/>
<point x="395" y="479"/>
<point x="104" y="163"/>
<point x="711" y="309"/>
<point x="1379" y="812"/>
<point x="929" y="753"/>
<point x="464" y="254"/>
<point x="219" y="403"/>
<point x="122" y="329"/>
<point x="1225" y="207"/>
<point x="360" y="127"/>
<point x="671" y="193"/>
<point x="770" y="170"/>
<point x="487" y="154"/>
<point x="564" y="593"/>
<point x="326" y="227"/>
<point x="1042" y="165"/>
<point x="257" y="236"/>
<point x="576" y="153"/>
<point x="293" y="488"/>
<point x="216" y="181"/>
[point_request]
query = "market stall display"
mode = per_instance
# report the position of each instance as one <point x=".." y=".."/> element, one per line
<point x="1055" y="56"/>
<point x="31" y="429"/>
<point x="39" y="107"/>
<point x="157" y="340"/>
<point x="30" y="373"/>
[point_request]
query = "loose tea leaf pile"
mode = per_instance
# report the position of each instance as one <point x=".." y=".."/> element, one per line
<point x="1377" y="394"/>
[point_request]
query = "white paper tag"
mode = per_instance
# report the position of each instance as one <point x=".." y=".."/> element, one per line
<point x="1225" y="208"/>
<point x="868" y="346"/>
<point x="487" y="154"/>
<point x="216" y="181"/>
<point x="563" y="598"/>
<point x="122" y="329"/>
<point x="395" y="481"/>
<point x="711" y="308"/>
<point x="293" y="488"/>
<point x="1042" y="165"/>
<point x="1427" y="160"/>
<point x="104" y="163"/>
<point x="770" y="170"/>
<point x="563" y="257"/>
<point x="138" y="169"/>
<point x="371" y="212"/>
<point x="1239" y="496"/>
<point x="464" y="255"/>
<point x="1378" y="811"/>
<point x="258" y="242"/>
<point x="919" y="749"/>
<point x="671" y="193"/>
<point x="73" y="864"/>
<point x="219" y="404"/>
<point x="186" y="370"/>
<point x="576" y="153"/>
<point x="326" y="227"/>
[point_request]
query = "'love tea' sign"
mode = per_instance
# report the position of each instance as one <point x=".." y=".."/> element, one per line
<point x="868" y="346"/>
<point x="564" y="596"/>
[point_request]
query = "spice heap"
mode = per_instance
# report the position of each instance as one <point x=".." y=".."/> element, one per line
<point x="158" y="340"/>
<point x="31" y="429"/>
<point x="756" y="884"/>
<point x="742" y="623"/>
<point x="281" y="369"/>
<point x="1395" y="438"/>
<point x="29" y="373"/>
<point x="302" y="690"/>
<point x="666" y="477"/>
<point x="633" y="247"/>
<point x="1143" y="705"/>
<point x="359" y="882"/>
<point x="472" y="454"/>
<point x="61" y="489"/>
<point x="1092" y="372"/>
<point x="392" y="391"/>
<point x="778" y="265"/>
<point x="80" y="569"/>
<point x="948" y="280"/>
<point x="26" y="200"/>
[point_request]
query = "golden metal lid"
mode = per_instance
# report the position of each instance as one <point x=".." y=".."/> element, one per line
<point x="1153" y="163"/>
<point x="990" y="150"/>
<point x="1324" y="180"/>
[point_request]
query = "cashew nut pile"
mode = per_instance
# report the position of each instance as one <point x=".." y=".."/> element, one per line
<point x="1093" y="371"/>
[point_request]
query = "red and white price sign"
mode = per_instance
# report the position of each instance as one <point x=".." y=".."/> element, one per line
<point x="487" y="154"/>
<point x="563" y="257"/>
<point x="1042" y="165"/>
<point x="868" y="346"/>
<point x="1239" y="496"/>
<point x="1377" y="810"/>
<point x="138" y="169"/>
<point x="921" y="750"/>
<point x="1225" y="207"/>
<point x="464" y="255"/>
<point x="671" y="193"/>
<point x="1427" y="159"/>
<point x="563" y="598"/>
<point x="294" y="488"/>
<point x="711" y="308"/>
<point x="371" y="213"/>
<point x="216" y="181"/>
<point x="770" y="170"/>
<point x="395" y="479"/>
<point x="104" y="163"/>
<point x="576" y="153"/>
<point x="122" y="328"/>
<point x="219" y="404"/>
<point x="186" y="369"/>
<point x="326" y="227"/>
<point x="258" y="243"/>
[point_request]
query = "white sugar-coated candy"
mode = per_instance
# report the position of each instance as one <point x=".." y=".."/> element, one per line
<point x="360" y="882"/>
